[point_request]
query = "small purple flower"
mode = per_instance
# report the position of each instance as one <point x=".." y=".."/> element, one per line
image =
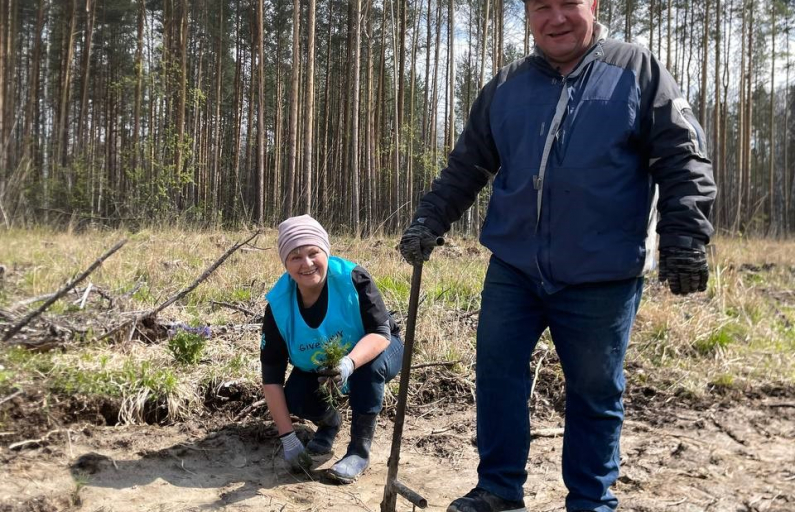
<point x="203" y="331"/>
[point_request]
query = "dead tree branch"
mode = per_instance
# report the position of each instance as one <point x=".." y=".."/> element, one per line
<point x="234" y="306"/>
<point x="153" y="312"/>
<point x="60" y="293"/>
<point x="448" y="364"/>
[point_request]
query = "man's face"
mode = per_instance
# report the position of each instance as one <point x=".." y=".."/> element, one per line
<point x="562" y="29"/>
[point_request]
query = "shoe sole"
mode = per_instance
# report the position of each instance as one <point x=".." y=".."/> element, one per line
<point x="342" y="479"/>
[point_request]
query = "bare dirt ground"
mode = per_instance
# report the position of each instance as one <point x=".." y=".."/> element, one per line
<point x="725" y="455"/>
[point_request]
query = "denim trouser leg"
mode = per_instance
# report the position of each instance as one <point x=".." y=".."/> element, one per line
<point x="590" y="326"/>
<point x="365" y="386"/>
<point x="511" y="321"/>
<point x="302" y="396"/>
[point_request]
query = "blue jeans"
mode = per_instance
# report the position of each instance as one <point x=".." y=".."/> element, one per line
<point x="590" y="326"/>
<point x="365" y="386"/>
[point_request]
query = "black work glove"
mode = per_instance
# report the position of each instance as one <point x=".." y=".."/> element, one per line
<point x="686" y="270"/>
<point x="417" y="243"/>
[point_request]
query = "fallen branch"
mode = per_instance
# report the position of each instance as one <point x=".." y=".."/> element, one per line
<point x="11" y="397"/>
<point x="60" y="293"/>
<point x="204" y="276"/>
<point x="152" y="313"/>
<point x="21" y="444"/>
<point x="781" y="405"/>
<point x="27" y="302"/>
<point x="245" y="412"/>
<point x="535" y="375"/>
<point x="448" y="364"/>
<point x="234" y="306"/>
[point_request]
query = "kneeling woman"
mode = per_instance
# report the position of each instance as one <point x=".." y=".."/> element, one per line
<point x="323" y="297"/>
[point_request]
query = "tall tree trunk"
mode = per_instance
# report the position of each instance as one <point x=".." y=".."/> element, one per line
<point x="369" y="171"/>
<point x="4" y="26"/>
<point x="354" y="155"/>
<point x="716" y="122"/>
<point x="219" y="71"/>
<point x="651" y="24"/>
<point x="628" y="21"/>
<point x="33" y="92"/>
<point x="426" y="99"/>
<point x="411" y="135"/>
<point x="233" y="189"/>
<point x="668" y="38"/>
<point x="749" y="116"/>
<point x="294" y="99"/>
<point x="181" y="92"/>
<point x="310" y="107"/>
<point x="260" y="197"/>
<point x="66" y="80"/>
<point x="277" y="179"/>
<point x="704" y="67"/>
<point x="741" y="122"/>
<point x="139" y="76"/>
<point x="396" y="129"/>
<point x="86" y="72"/>
<point x="451" y="78"/>
<point x="787" y="202"/>
<point x="773" y="225"/>
<point x="483" y="44"/>
<point x="435" y="95"/>
<point x="402" y="6"/>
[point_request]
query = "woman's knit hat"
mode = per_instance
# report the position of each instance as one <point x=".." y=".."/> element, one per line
<point x="298" y="231"/>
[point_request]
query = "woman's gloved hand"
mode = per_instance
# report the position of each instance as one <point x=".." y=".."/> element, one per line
<point x="340" y="374"/>
<point x="294" y="453"/>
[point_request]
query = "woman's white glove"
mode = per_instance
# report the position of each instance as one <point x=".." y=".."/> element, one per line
<point x="339" y="375"/>
<point x="345" y="368"/>
<point x="294" y="452"/>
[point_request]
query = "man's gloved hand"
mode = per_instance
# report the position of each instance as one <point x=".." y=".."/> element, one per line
<point x="294" y="452"/>
<point x="340" y="374"/>
<point x="417" y="243"/>
<point x="686" y="270"/>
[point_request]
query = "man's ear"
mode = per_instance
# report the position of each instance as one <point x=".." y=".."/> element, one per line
<point x="594" y="3"/>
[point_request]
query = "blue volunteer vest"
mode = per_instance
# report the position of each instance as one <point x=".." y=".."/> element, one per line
<point x="343" y="316"/>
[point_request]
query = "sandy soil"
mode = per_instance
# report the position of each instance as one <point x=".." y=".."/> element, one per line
<point x="723" y="457"/>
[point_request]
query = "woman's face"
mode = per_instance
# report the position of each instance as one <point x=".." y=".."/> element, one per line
<point x="307" y="265"/>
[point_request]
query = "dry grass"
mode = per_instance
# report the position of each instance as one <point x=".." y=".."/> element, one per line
<point x="739" y="335"/>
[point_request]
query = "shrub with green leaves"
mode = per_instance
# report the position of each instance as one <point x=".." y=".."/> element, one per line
<point x="187" y="347"/>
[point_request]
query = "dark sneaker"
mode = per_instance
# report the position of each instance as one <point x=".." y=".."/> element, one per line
<point x="479" y="500"/>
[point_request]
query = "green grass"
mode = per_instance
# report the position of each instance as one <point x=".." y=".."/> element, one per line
<point x="721" y="338"/>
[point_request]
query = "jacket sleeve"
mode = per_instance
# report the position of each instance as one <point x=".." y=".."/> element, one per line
<point x="678" y="160"/>
<point x="471" y="164"/>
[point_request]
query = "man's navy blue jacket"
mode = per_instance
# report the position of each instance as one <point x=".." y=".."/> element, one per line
<point x="581" y="165"/>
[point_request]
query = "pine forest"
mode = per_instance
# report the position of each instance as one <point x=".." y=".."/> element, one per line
<point x="232" y="112"/>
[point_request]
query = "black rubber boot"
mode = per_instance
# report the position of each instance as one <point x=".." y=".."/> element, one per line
<point x="357" y="459"/>
<point x="327" y="430"/>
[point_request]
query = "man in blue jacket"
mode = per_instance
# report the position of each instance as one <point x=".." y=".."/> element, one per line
<point x="587" y="140"/>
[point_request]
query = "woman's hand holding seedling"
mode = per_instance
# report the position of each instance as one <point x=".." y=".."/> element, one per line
<point x="338" y="375"/>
